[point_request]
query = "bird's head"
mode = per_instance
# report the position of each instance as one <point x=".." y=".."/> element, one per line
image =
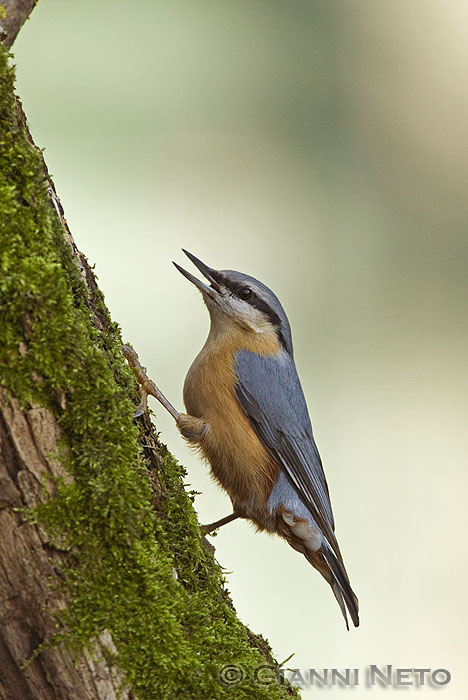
<point x="236" y="298"/>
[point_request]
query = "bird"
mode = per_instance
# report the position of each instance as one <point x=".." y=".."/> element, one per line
<point x="247" y="415"/>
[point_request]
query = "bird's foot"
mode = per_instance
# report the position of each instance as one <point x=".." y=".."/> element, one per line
<point x="207" y="529"/>
<point x="143" y="405"/>
<point x="147" y="387"/>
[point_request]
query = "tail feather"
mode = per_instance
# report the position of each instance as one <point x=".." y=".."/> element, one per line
<point x="341" y="586"/>
<point x="337" y="591"/>
<point x="324" y="556"/>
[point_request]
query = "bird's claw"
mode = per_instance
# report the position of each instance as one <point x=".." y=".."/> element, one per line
<point x="143" y="405"/>
<point x="146" y="385"/>
<point x="208" y="530"/>
<point x="213" y="527"/>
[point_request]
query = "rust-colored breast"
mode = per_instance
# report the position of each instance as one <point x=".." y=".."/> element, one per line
<point x="238" y="459"/>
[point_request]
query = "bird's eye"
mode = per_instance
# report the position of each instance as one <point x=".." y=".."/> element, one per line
<point x="245" y="293"/>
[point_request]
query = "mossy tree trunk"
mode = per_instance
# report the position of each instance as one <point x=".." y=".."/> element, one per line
<point x="107" y="588"/>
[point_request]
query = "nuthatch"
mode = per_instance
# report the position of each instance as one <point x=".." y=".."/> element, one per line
<point x="247" y="414"/>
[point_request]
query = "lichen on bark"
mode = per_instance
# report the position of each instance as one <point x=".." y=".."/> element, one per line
<point x="133" y="564"/>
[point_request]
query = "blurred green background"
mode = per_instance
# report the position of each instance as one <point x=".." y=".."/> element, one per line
<point x="323" y="148"/>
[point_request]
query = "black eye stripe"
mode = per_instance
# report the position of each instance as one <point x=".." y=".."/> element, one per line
<point x="234" y="287"/>
<point x="254" y="300"/>
<point x="262" y="306"/>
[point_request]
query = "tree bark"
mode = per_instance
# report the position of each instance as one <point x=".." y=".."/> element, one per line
<point x="13" y="14"/>
<point x="27" y="556"/>
<point x="107" y="588"/>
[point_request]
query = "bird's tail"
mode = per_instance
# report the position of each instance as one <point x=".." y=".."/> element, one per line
<point x="335" y="573"/>
<point x="324" y="557"/>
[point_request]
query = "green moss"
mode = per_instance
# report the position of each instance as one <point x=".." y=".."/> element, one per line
<point x="172" y="635"/>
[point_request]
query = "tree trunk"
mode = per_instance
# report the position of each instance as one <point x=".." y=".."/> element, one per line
<point x="107" y="588"/>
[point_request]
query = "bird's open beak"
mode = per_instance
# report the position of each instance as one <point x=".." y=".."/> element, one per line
<point x="214" y="290"/>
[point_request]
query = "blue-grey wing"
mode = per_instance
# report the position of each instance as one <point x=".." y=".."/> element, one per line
<point x="270" y="393"/>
